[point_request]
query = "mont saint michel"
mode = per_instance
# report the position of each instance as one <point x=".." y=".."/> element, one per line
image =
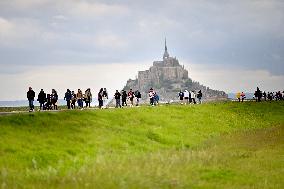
<point x="168" y="77"/>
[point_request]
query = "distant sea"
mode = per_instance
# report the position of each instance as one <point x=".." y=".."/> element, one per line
<point x="233" y="95"/>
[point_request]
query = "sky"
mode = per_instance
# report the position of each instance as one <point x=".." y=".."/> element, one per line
<point x="225" y="44"/>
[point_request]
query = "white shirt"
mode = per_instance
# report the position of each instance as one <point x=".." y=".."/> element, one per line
<point x="186" y="94"/>
<point x="192" y="94"/>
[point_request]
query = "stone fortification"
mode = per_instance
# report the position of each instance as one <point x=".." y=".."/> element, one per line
<point x="167" y="78"/>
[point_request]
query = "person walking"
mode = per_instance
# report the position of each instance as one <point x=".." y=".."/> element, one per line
<point x="68" y="97"/>
<point x="192" y="94"/>
<point x="156" y="98"/>
<point x="181" y="96"/>
<point x="88" y="97"/>
<point x="123" y="98"/>
<point x="73" y="100"/>
<point x="264" y="95"/>
<point x="258" y="94"/>
<point x="243" y="96"/>
<point x="199" y="96"/>
<point x="131" y="97"/>
<point x="48" y="104"/>
<point x="186" y="96"/>
<point x="137" y="95"/>
<point x="100" y="98"/>
<point x="54" y="99"/>
<point x="117" y="96"/>
<point x="41" y="99"/>
<point x="30" y="97"/>
<point x="151" y="96"/>
<point x="79" y="98"/>
<point x="105" y="97"/>
<point x="238" y="96"/>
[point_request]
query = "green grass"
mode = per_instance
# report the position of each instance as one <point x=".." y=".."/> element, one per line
<point x="216" y="145"/>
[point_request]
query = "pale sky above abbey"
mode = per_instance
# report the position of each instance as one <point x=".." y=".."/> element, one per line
<point x="79" y="43"/>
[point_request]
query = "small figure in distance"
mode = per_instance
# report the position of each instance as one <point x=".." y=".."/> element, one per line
<point x="181" y="96"/>
<point x="48" y="105"/>
<point x="73" y="100"/>
<point x="117" y="96"/>
<point x="258" y="94"/>
<point x="243" y="96"/>
<point x="79" y="97"/>
<point x="280" y="97"/>
<point x="192" y="94"/>
<point x="156" y="98"/>
<point x="199" y="96"/>
<point x="68" y="97"/>
<point x="54" y="98"/>
<point x="130" y="97"/>
<point x="151" y="96"/>
<point x="105" y="97"/>
<point x="186" y="96"/>
<point x="238" y="96"/>
<point x="31" y="96"/>
<point x="124" y="97"/>
<point x="100" y="98"/>
<point x="269" y="96"/>
<point x="264" y="95"/>
<point x="137" y="96"/>
<point x="41" y="99"/>
<point x="88" y="97"/>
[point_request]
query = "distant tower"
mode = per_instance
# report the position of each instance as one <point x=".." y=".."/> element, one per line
<point x="166" y="54"/>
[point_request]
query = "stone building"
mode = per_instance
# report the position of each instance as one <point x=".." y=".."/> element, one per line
<point x="168" y="77"/>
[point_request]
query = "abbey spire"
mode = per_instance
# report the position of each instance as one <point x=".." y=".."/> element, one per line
<point x="166" y="54"/>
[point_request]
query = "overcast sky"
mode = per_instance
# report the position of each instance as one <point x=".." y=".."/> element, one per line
<point x="227" y="45"/>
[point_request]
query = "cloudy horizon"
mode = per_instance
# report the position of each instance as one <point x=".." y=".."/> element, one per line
<point x="225" y="45"/>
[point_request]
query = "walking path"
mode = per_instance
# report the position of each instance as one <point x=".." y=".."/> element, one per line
<point x="27" y="112"/>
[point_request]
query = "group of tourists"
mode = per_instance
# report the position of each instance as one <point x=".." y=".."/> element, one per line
<point x="240" y="96"/>
<point x="50" y="101"/>
<point x="259" y="95"/>
<point x="71" y="98"/>
<point x="46" y="101"/>
<point x="188" y="97"/>
<point x="122" y="97"/>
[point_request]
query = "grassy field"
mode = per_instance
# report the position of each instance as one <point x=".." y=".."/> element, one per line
<point x="215" y="145"/>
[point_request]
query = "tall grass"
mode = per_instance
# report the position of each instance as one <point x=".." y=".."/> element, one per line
<point x="216" y="145"/>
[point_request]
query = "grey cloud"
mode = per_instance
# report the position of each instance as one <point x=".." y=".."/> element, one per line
<point x="244" y="33"/>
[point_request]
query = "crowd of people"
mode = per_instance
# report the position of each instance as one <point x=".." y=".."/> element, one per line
<point x="124" y="98"/>
<point x="259" y="95"/>
<point x="188" y="97"/>
<point x="127" y="98"/>
<point x="262" y="95"/>
<point x="50" y="101"/>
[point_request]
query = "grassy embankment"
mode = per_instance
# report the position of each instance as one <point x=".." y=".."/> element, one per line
<point x="222" y="145"/>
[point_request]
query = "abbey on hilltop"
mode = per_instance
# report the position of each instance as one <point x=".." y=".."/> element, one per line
<point x="168" y="77"/>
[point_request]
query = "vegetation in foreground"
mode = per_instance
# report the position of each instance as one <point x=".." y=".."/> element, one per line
<point x="218" y="145"/>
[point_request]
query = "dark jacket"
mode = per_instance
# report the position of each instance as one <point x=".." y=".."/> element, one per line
<point x="100" y="96"/>
<point x="199" y="94"/>
<point x="31" y="95"/>
<point x="124" y="95"/>
<point x="41" y="97"/>
<point x="117" y="95"/>
<point x="137" y="94"/>
<point x="68" y="96"/>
